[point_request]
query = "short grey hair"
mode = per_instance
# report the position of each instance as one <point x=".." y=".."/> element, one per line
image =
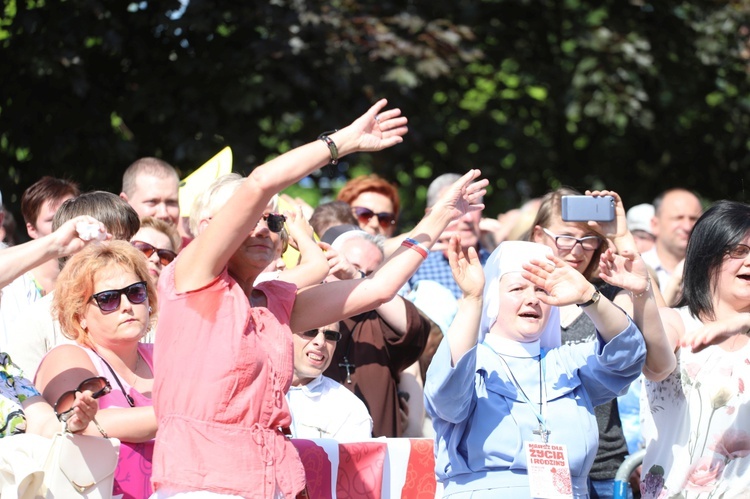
<point x="438" y="185"/>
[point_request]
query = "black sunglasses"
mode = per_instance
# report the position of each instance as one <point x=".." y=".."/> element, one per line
<point x="329" y="335"/>
<point x="364" y="215"/>
<point x="109" y="300"/>
<point x="274" y="221"/>
<point x="98" y="387"/>
<point x="165" y="256"/>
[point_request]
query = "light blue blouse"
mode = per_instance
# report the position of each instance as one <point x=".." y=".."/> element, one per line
<point x="481" y="421"/>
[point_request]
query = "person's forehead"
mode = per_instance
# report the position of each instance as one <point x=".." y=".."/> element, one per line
<point x="360" y="246"/>
<point x="153" y="237"/>
<point x="680" y="202"/>
<point x="166" y="186"/>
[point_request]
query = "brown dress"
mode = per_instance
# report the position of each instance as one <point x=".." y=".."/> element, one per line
<point x="375" y="355"/>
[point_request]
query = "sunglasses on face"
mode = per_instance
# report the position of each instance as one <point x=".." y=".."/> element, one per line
<point x="364" y="215"/>
<point x="165" y="256"/>
<point x="738" y="251"/>
<point x="274" y="221"/>
<point x="98" y="387"/>
<point x="109" y="300"/>
<point x="588" y="243"/>
<point x="329" y="335"/>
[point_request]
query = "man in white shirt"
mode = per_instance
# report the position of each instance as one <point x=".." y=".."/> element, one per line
<point x="320" y="406"/>
<point x="676" y="211"/>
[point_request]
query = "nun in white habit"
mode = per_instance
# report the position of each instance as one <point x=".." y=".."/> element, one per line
<point x="508" y="403"/>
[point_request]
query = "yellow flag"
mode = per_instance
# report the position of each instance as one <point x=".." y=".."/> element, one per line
<point x="194" y="184"/>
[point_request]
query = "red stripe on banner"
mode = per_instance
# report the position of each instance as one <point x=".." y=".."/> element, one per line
<point x="420" y="472"/>
<point x="360" y="470"/>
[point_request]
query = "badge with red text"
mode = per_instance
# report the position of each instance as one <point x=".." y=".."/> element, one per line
<point x="549" y="472"/>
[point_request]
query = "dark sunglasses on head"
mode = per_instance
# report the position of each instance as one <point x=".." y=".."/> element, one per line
<point x="109" y="300"/>
<point x="274" y="221"/>
<point x="165" y="256"/>
<point x="329" y="335"/>
<point x="364" y="215"/>
<point x="98" y="387"/>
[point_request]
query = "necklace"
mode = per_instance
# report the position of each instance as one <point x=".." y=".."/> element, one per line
<point x="128" y="398"/>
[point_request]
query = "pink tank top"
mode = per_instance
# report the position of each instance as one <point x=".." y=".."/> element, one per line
<point x="133" y="474"/>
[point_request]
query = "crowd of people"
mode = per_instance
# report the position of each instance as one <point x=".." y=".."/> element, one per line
<point x="537" y="352"/>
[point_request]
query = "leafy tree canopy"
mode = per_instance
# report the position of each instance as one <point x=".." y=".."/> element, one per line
<point x="628" y="95"/>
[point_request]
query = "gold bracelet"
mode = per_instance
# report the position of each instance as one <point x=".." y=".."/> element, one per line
<point x="99" y="427"/>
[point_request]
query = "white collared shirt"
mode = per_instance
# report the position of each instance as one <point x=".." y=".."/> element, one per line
<point x="324" y="408"/>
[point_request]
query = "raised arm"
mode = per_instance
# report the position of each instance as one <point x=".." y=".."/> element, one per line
<point x="313" y="265"/>
<point x="631" y="274"/>
<point x="330" y="302"/>
<point x="467" y="271"/>
<point x="65" y="241"/>
<point x="203" y="259"/>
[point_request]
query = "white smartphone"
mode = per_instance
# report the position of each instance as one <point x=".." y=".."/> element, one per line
<point x="585" y="208"/>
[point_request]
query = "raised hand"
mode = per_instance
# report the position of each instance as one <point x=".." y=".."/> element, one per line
<point x="627" y="272"/>
<point x="297" y="226"/>
<point x="464" y="196"/>
<point x="338" y="266"/>
<point x="467" y="270"/>
<point x="378" y="129"/>
<point x="69" y="241"/>
<point x="563" y="284"/>
<point x="617" y="229"/>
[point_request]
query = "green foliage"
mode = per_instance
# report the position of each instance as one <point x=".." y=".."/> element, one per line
<point x="632" y="95"/>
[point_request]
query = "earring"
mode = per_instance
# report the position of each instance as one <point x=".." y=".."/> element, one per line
<point x="83" y="324"/>
<point x="150" y="310"/>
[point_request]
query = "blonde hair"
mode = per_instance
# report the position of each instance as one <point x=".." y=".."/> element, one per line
<point x="165" y="228"/>
<point x="75" y="284"/>
<point x="213" y="198"/>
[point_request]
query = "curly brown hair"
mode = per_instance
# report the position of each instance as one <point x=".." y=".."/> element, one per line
<point x="75" y="284"/>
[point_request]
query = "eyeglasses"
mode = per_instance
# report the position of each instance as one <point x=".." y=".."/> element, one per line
<point x="364" y="215"/>
<point x="165" y="256"/>
<point x="98" y="387"/>
<point x="738" y="251"/>
<point x="588" y="243"/>
<point x="274" y="221"/>
<point x="109" y="300"/>
<point x="329" y="335"/>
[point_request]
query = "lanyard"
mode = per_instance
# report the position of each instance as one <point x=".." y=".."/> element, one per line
<point x="542" y="431"/>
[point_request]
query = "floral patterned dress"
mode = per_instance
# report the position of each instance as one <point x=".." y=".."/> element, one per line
<point x="14" y="389"/>
<point x="697" y="425"/>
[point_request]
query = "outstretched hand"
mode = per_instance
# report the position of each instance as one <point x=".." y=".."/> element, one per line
<point x="627" y="272"/>
<point x="466" y="268"/>
<point x="716" y="332"/>
<point x="378" y="129"/>
<point x="563" y="284"/>
<point x="463" y="196"/>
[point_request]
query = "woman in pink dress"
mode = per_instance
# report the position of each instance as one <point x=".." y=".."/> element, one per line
<point x="224" y="347"/>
